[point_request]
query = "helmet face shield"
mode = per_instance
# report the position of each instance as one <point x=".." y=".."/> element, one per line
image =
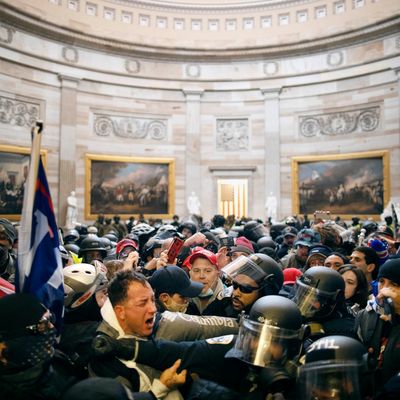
<point x="313" y="302"/>
<point x="265" y="345"/>
<point x="329" y="380"/>
<point x="244" y="266"/>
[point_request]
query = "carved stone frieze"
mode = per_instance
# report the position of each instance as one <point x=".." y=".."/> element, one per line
<point x="130" y="127"/>
<point x="233" y="134"/>
<point x="18" y="112"/>
<point x="340" y="123"/>
<point x="335" y="58"/>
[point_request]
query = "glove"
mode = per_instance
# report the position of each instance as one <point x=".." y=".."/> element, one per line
<point x="103" y="345"/>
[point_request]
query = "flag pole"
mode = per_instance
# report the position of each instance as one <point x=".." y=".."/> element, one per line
<point x="24" y="255"/>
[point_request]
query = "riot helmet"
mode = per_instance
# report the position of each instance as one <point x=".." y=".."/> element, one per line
<point x="318" y="292"/>
<point x="266" y="241"/>
<point x="273" y="280"/>
<point x="276" y="230"/>
<point x="71" y="236"/>
<point x="112" y="236"/>
<point x="271" y="334"/>
<point x="72" y="248"/>
<point x="334" y="368"/>
<point x="253" y="230"/>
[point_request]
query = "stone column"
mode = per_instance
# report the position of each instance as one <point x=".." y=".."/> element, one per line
<point x="272" y="164"/>
<point x="68" y="129"/>
<point x="193" y="169"/>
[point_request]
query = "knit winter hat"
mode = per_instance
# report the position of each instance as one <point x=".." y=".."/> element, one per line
<point x="390" y="270"/>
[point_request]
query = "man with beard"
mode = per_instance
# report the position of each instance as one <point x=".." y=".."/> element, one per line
<point x="251" y="277"/>
<point x="305" y="239"/>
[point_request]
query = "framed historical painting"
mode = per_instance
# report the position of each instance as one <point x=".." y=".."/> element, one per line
<point x="345" y="184"/>
<point x="14" y="166"/>
<point x="127" y="186"/>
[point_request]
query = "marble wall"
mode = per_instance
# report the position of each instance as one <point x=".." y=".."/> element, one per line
<point x="235" y="118"/>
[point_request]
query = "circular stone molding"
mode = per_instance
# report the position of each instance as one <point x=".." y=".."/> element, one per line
<point x="271" y="68"/>
<point x="70" y="54"/>
<point x="335" y="58"/>
<point x="193" y="70"/>
<point x="132" y="66"/>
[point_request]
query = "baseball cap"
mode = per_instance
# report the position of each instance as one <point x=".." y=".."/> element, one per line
<point x="173" y="279"/>
<point x="200" y="252"/>
<point x="243" y="245"/>
<point x="320" y="249"/>
<point x="125" y="243"/>
<point x="290" y="275"/>
<point x="308" y="237"/>
<point x="290" y="231"/>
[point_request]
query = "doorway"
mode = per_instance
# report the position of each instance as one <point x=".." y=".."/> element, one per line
<point x="233" y="197"/>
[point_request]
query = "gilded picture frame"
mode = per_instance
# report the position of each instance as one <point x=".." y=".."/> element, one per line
<point x="128" y="186"/>
<point x="14" y="165"/>
<point x="353" y="184"/>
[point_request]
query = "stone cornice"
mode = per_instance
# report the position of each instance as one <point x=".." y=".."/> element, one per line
<point x="187" y="7"/>
<point x="25" y="22"/>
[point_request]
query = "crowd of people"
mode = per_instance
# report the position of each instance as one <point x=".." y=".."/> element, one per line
<point x="223" y="309"/>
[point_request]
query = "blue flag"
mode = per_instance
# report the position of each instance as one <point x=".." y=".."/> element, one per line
<point x="39" y="261"/>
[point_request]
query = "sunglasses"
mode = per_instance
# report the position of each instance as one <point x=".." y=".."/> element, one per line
<point x="246" y="289"/>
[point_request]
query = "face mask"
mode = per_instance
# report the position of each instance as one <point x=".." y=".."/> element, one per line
<point x="28" y="351"/>
<point x="208" y="293"/>
<point x="173" y="306"/>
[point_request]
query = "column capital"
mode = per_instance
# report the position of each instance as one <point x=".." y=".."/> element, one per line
<point x="193" y="93"/>
<point x="271" y="93"/>
<point x="67" y="81"/>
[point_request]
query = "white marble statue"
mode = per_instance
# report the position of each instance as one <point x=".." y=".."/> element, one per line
<point x="271" y="206"/>
<point x="193" y="204"/>
<point x="72" y="211"/>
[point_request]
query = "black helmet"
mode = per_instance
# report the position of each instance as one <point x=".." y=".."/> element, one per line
<point x="113" y="237"/>
<point x="334" y="366"/>
<point x="72" y="247"/>
<point x="271" y="334"/>
<point x="370" y="227"/>
<point x="71" y="236"/>
<point x="276" y="230"/>
<point x="188" y="225"/>
<point x="273" y="281"/>
<point x="91" y="243"/>
<point x="266" y="241"/>
<point x="149" y="246"/>
<point x="318" y="292"/>
<point x="253" y="230"/>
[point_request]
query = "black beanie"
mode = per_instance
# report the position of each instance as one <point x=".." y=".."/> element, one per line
<point x="18" y="311"/>
<point x="390" y="270"/>
<point x="8" y="228"/>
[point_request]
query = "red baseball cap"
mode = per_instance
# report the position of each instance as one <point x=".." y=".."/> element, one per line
<point x="200" y="252"/>
<point x="125" y="243"/>
<point x="243" y="245"/>
<point x="290" y="275"/>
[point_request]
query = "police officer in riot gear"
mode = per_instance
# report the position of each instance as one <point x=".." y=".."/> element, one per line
<point x="335" y="368"/>
<point x="260" y="360"/>
<point x="251" y="277"/>
<point x="319" y="294"/>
